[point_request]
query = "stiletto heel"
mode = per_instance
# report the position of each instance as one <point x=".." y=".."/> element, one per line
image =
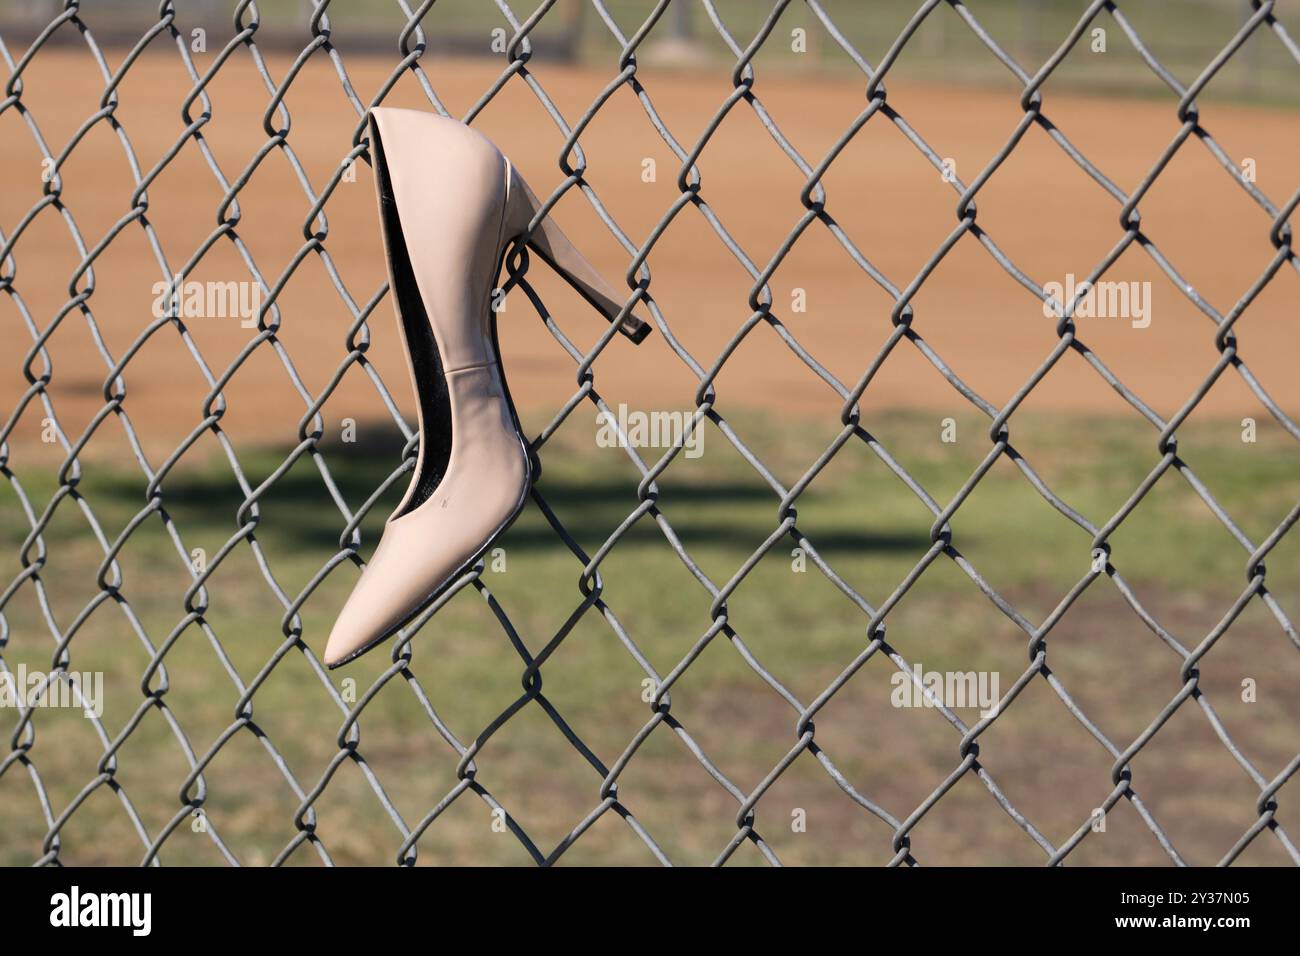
<point x="450" y="205"/>
<point x="549" y="242"/>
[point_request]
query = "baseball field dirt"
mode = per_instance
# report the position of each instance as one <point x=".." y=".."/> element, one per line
<point x="1048" y="216"/>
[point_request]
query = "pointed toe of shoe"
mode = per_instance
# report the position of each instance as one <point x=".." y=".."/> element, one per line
<point x="418" y="556"/>
<point x="386" y="595"/>
<point x="360" y="625"/>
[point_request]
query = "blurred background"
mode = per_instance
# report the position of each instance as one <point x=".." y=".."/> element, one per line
<point x="221" y="735"/>
<point x="1184" y="36"/>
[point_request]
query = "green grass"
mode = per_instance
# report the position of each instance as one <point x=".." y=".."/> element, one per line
<point x="946" y="50"/>
<point x="1184" y="37"/>
<point x="1180" y="562"/>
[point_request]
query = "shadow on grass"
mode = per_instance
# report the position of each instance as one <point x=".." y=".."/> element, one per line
<point x="297" y="510"/>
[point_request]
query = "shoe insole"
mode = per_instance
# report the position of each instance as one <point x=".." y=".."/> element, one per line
<point x="426" y="362"/>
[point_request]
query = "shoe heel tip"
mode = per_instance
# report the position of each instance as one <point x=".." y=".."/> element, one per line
<point x="639" y="334"/>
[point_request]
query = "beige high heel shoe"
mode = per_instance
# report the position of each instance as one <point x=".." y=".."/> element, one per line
<point x="451" y="205"/>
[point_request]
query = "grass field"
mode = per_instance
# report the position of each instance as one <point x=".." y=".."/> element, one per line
<point x="1181" y="563"/>
<point x="944" y="50"/>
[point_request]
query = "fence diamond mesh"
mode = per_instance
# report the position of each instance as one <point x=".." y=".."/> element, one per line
<point x="35" y="756"/>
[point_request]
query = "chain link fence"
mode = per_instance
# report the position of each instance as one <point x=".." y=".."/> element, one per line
<point x="32" y="759"/>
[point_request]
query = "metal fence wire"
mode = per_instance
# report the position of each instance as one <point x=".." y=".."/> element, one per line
<point x="24" y="756"/>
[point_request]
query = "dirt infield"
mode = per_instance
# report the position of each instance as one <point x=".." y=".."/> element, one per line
<point x="1042" y="210"/>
